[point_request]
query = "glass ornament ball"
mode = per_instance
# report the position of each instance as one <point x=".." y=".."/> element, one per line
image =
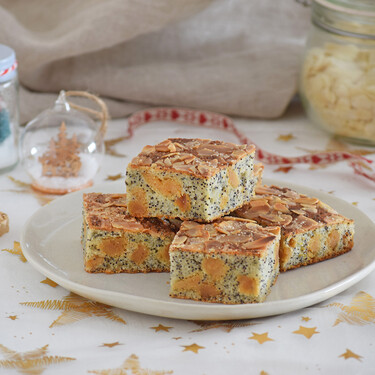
<point x="61" y="149"/>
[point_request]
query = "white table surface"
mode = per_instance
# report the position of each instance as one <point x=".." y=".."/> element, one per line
<point x="306" y="341"/>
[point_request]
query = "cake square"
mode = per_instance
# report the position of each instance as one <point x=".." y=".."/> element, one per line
<point x="115" y="242"/>
<point x="311" y="231"/>
<point x="229" y="261"/>
<point x="191" y="179"/>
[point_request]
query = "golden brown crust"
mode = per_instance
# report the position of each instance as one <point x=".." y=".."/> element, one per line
<point x="108" y="212"/>
<point x="4" y="223"/>
<point x="227" y="235"/>
<point x="295" y="213"/>
<point x="201" y="158"/>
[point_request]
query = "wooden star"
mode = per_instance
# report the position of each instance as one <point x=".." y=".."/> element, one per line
<point x="307" y="332"/>
<point x="111" y="344"/>
<point x="132" y="364"/>
<point x="114" y="177"/>
<point x="350" y="354"/>
<point x="261" y="337"/>
<point x="24" y="187"/>
<point x="13" y="317"/>
<point x="177" y="338"/>
<point x="305" y="318"/>
<point x="283" y="169"/>
<point x="49" y="282"/>
<point x="360" y="311"/>
<point x="31" y="362"/>
<point x="285" y="137"/>
<point x="16" y="251"/>
<point x="192" y="348"/>
<point x="160" y="327"/>
<point x="109" y="146"/>
<point x="76" y="308"/>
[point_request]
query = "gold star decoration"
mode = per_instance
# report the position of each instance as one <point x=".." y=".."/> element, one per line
<point x="285" y="137"/>
<point x="31" y="362"/>
<point x="49" y="282"/>
<point x="75" y="308"/>
<point x="24" y="187"/>
<point x="283" y="169"/>
<point x="114" y="177"/>
<point x="111" y="344"/>
<point x="306" y="331"/>
<point x="227" y="326"/>
<point x="177" y="338"/>
<point x="355" y="203"/>
<point x="16" y="251"/>
<point x="192" y="348"/>
<point x="350" y="354"/>
<point x="12" y="317"/>
<point x="261" y="337"/>
<point x="132" y="364"/>
<point x="305" y="318"/>
<point x="263" y="373"/>
<point x="109" y="146"/>
<point x="360" y="311"/>
<point x="160" y="327"/>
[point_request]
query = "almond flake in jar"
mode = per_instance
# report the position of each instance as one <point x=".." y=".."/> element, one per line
<point x="338" y="86"/>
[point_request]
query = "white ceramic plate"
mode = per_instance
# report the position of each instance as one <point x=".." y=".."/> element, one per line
<point x="51" y="243"/>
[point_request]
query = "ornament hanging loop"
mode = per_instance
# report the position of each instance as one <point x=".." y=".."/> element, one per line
<point x="101" y="115"/>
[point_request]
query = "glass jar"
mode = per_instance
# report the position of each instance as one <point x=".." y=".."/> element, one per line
<point x="8" y="108"/>
<point x="337" y="82"/>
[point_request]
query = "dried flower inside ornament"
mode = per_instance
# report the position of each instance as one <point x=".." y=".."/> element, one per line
<point x="62" y="148"/>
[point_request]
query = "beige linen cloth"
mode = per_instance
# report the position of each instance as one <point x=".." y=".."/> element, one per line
<point x="239" y="57"/>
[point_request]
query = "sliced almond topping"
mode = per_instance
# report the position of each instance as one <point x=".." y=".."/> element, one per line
<point x="305" y="222"/>
<point x="205" y="152"/>
<point x="222" y="230"/>
<point x="204" y="170"/>
<point x="239" y="154"/>
<point x="148" y="150"/>
<point x="179" y="240"/>
<point x="237" y="238"/>
<point x="307" y="200"/>
<point x="182" y="167"/>
<point x="172" y="147"/>
<point x="281" y="207"/>
<point x="259" y="202"/>
<point x="186" y="225"/>
<point x="259" y="243"/>
<point x="131" y="226"/>
<point x="298" y="212"/>
<point x="168" y="162"/>
<point x="266" y="190"/>
<point x="213" y="245"/>
<point x="329" y="219"/>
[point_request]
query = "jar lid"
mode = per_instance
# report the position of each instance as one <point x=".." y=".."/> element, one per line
<point x="364" y="8"/>
<point x="8" y="63"/>
<point x="348" y="18"/>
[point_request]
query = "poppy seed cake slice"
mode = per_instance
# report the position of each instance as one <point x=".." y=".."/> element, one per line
<point x="115" y="242"/>
<point x="190" y="179"/>
<point x="229" y="261"/>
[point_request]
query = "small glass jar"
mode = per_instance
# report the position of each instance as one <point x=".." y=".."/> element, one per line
<point x="337" y="82"/>
<point x="9" y="113"/>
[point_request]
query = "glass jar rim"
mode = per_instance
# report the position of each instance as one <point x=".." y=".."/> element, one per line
<point x="348" y="10"/>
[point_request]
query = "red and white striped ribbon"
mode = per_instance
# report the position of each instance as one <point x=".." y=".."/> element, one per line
<point x="214" y="120"/>
<point x="8" y="70"/>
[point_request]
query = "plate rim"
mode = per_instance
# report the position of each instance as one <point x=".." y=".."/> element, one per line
<point x="213" y="311"/>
